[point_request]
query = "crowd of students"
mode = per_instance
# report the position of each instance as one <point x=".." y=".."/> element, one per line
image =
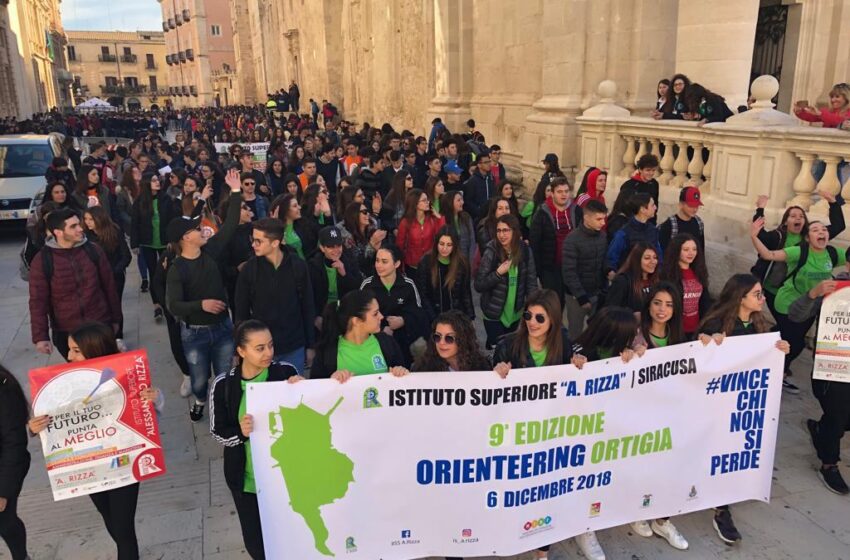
<point x="351" y="248"/>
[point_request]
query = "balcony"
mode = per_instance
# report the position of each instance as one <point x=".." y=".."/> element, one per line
<point x="123" y="90"/>
<point x="107" y="58"/>
<point x="181" y="56"/>
<point x="171" y="24"/>
<point x="168" y="59"/>
<point x="190" y="54"/>
<point x="129" y="58"/>
<point x="186" y="15"/>
<point x="185" y="90"/>
<point x="178" y="19"/>
<point x="193" y="90"/>
<point x="64" y="76"/>
<point x="150" y="65"/>
<point x="165" y="26"/>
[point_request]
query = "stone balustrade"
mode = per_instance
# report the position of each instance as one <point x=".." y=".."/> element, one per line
<point x="759" y="152"/>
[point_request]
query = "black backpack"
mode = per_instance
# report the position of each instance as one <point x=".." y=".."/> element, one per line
<point x="47" y="259"/>
<point x="804" y="255"/>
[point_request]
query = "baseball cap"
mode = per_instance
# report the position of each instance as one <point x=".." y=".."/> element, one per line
<point x="330" y="236"/>
<point x="691" y="196"/>
<point x="178" y="227"/>
<point x="452" y="167"/>
<point x="550" y="158"/>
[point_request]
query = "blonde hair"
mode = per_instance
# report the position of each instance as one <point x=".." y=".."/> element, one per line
<point x="843" y="90"/>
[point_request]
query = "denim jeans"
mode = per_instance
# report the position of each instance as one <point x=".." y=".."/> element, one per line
<point x="295" y="357"/>
<point x="207" y="347"/>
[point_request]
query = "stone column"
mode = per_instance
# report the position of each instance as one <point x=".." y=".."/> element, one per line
<point x="714" y="45"/>
<point x="453" y="29"/>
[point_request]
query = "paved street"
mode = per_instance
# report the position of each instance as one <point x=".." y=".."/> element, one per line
<point x="188" y="514"/>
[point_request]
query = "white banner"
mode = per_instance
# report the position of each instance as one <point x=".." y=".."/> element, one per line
<point x="259" y="152"/>
<point x="832" y="351"/>
<point x="468" y="464"/>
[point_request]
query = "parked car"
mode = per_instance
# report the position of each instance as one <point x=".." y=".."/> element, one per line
<point x="23" y="160"/>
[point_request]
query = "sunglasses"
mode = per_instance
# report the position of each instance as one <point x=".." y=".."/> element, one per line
<point x="249" y="183"/>
<point x="539" y="317"/>
<point x="438" y="337"/>
<point x="364" y="211"/>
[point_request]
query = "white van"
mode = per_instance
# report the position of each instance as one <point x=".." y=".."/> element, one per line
<point x="24" y="158"/>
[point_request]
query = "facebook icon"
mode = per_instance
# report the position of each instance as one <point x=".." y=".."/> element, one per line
<point x="405" y="534"/>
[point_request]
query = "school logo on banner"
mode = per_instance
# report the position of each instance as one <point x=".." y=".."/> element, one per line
<point x="370" y="398"/>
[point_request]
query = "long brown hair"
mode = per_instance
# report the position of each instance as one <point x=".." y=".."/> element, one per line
<point x="469" y="356"/>
<point x="95" y="340"/>
<point x="632" y="268"/>
<point x="675" y="335"/>
<point x="105" y="229"/>
<point x="457" y="262"/>
<point x="431" y="185"/>
<point x="516" y="239"/>
<point x="411" y="201"/>
<point x="670" y="269"/>
<point x="725" y="311"/>
<point x="551" y="303"/>
<point x="447" y="209"/>
<point x="128" y="182"/>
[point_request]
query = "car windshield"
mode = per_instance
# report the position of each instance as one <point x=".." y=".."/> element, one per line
<point x="24" y="160"/>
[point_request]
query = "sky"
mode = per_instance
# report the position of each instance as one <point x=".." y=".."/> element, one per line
<point x="100" y="15"/>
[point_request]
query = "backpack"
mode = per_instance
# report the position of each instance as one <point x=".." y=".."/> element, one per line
<point x="47" y="259"/>
<point x="804" y="255"/>
<point x="674" y="226"/>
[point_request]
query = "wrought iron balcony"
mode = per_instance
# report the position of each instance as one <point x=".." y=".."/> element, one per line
<point x="107" y="58"/>
<point x="123" y="89"/>
<point x="190" y="54"/>
<point x="181" y="56"/>
<point x="171" y="24"/>
<point x="186" y="15"/>
<point x="193" y="90"/>
<point x="165" y="26"/>
<point x="185" y="90"/>
<point x="178" y="19"/>
<point x="129" y="58"/>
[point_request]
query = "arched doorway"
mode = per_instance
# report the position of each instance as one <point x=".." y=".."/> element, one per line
<point x="134" y="104"/>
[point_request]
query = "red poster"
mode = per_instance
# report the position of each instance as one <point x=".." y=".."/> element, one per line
<point x="102" y="434"/>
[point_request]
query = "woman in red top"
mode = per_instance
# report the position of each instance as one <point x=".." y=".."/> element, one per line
<point x="833" y="116"/>
<point x="417" y="229"/>
<point x="684" y="266"/>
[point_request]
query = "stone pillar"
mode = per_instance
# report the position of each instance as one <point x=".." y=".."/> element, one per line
<point x="551" y="126"/>
<point x="714" y="45"/>
<point x="453" y="29"/>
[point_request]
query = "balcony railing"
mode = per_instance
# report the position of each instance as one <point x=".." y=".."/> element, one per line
<point x="123" y="89"/>
<point x="190" y="54"/>
<point x="181" y="56"/>
<point x="129" y="58"/>
<point x="178" y="19"/>
<point x="185" y="90"/>
<point x="150" y="65"/>
<point x="186" y="15"/>
<point x="107" y="58"/>
<point x="165" y="26"/>
<point x="171" y="24"/>
<point x="168" y="59"/>
<point x="193" y="90"/>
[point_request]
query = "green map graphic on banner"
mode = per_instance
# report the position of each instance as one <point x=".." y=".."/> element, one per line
<point x="316" y="474"/>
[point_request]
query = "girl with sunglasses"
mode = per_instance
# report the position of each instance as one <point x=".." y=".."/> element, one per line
<point x="443" y="277"/>
<point x="738" y="312"/>
<point x="360" y="238"/>
<point x="505" y="278"/>
<point x="540" y="341"/>
<point x="452" y="346"/>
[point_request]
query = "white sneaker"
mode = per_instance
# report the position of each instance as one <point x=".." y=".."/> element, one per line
<point x="589" y="546"/>
<point x="642" y="528"/>
<point x="186" y="386"/>
<point x="122" y="346"/>
<point x="670" y="533"/>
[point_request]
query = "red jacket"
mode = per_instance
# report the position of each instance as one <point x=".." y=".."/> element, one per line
<point x="828" y="117"/>
<point x="79" y="291"/>
<point x="415" y="239"/>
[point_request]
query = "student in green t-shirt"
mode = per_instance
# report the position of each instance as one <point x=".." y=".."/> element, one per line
<point x="352" y="342"/>
<point x="660" y="318"/>
<point x="820" y="259"/>
<point x="232" y="427"/>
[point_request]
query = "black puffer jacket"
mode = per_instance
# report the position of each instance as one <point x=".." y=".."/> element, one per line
<point x="542" y="236"/>
<point x="504" y="351"/>
<point x="494" y="288"/>
<point x="621" y="294"/>
<point x="224" y="418"/>
<point x="460" y="297"/>
<point x="583" y="263"/>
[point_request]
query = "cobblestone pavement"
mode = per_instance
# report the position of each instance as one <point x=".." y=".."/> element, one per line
<point x="188" y="514"/>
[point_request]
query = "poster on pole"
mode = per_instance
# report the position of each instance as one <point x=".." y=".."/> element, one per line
<point x="259" y="152"/>
<point x="102" y="435"/>
<point x="468" y="464"/>
<point x="832" y="348"/>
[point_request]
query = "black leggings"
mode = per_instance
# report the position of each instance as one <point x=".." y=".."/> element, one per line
<point x="118" y="509"/>
<point x="120" y="280"/>
<point x="151" y="257"/>
<point x="12" y="529"/>
<point x="249" y="518"/>
<point x="794" y="334"/>
<point x="834" y="400"/>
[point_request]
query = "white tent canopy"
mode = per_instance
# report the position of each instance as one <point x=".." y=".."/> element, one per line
<point x="95" y="104"/>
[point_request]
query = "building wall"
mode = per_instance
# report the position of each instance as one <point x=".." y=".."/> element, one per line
<point x="92" y="68"/>
<point x="243" y="53"/>
<point x="8" y="55"/>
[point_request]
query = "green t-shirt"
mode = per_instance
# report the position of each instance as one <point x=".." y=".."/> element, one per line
<point x="792" y="239"/>
<point x="604" y="353"/>
<point x="293" y="240"/>
<point x="361" y="359"/>
<point x="539" y="357"/>
<point x="818" y="267"/>
<point x="156" y="241"/>
<point x="443" y="260"/>
<point x="527" y="212"/>
<point x="509" y="313"/>
<point x="333" y="291"/>
<point x="659" y="341"/>
<point x="322" y="219"/>
<point x="436" y="205"/>
<point x="250" y="485"/>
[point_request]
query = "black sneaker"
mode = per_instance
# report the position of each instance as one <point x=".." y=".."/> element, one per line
<point x="725" y="527"/>
<point x="144" y="288"/>
<point x="833" y="481"/>
<point x="812" y="426"/>
<point x="157" y="314"/>
<point x="789" y="387"/>
<point x="197" y="412"/>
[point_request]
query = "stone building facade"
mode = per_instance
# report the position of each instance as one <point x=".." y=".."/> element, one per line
<point x="126" y="68"/>
<point x="200" y="52"/>
<point x="8" y="94"/>
<point x="526" y="70"/>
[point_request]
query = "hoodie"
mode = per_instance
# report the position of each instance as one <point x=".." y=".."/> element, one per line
<point x="637" y="185"/>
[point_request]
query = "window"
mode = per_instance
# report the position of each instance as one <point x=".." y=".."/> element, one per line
<point x="127" y="51"/>
<point x="72" y="52"/>
<point x="216" y="30"/>
<point x="149" y="61"/>
<point x="24" y="160"/>
<point x="225" y="67"/>
<point x="104" y="50"/>
<point x="152" y="83"/>
<point x="111" y="81"/>
<point x="131" y="82"/>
